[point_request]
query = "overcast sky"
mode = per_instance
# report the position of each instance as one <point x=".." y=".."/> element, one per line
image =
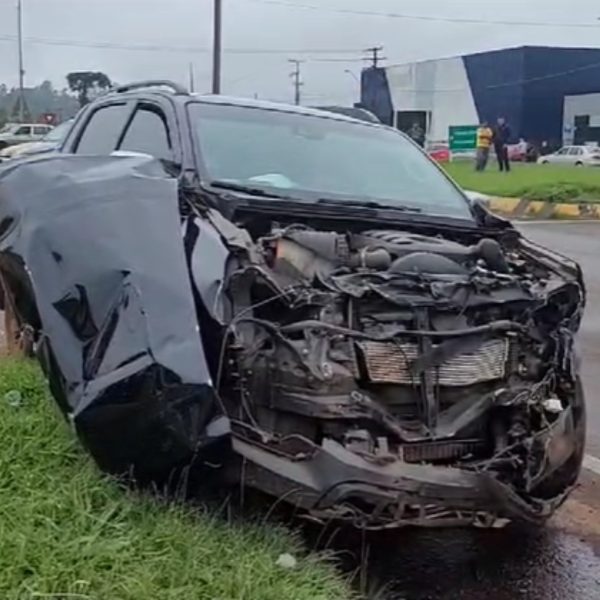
<point x="173" y="33"/>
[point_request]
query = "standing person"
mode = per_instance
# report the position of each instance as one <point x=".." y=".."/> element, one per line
<point x="417" y="134"/>
<point x="501" y="139"/>
<point x="484" y="143"/>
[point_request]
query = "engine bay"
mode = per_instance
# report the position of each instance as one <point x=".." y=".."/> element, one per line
<point x="402" y="347"/>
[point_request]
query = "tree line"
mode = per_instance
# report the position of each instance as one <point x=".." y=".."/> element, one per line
<point x="82" y="87"/>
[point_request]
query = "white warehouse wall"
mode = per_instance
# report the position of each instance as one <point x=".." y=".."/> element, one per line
<point x="437" y="86"/>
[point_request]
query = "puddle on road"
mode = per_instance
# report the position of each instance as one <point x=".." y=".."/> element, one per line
<point x="508" y="564"/>
<point x="558" y="562"/>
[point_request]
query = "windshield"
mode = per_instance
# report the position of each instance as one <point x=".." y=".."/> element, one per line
<point x="317" y="158"/>
<point x="59" y="133"/>
<point x="8" y="128"/>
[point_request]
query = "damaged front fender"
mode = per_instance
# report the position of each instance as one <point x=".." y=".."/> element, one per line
<point x="98" y="243"/>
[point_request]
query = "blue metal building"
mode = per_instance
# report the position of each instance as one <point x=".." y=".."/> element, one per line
<point x="546" y="94"/>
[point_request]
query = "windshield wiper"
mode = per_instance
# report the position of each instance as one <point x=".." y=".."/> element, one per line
<point x="246" y="189"/>
<point x="369" y="204"/>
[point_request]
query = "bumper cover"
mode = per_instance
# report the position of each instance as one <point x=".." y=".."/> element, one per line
<point x="332" y="482"/>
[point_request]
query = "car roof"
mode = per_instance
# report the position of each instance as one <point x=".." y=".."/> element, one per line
<point x="356" y="112"/>
<point x="275" y="106"/>
<point x="223" y="100"/>
<point x="28" y="125"/>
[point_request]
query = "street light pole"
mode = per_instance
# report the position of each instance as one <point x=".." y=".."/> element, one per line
<point x="21" y="68"/>
<point x="353" y="74"/>
<point x="216" y="75"/>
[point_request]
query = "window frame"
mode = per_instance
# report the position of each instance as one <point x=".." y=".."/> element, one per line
<point x="156" y="107"/>
<point x="77" y="133"/>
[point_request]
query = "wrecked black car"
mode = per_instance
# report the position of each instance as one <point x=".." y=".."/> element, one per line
<point x="302" y="300"/>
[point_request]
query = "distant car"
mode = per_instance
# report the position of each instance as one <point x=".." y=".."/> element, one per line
<point x="577" y="156"/>
<point x="439" y="153"/>
<point x="523" y="152"/>
<point x="50" y="142"/>
<point x="18" y="133"/>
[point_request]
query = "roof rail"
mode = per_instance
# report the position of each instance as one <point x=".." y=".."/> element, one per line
<point x="176" y="88"/>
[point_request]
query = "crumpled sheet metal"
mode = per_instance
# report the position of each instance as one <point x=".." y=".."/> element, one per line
<point x="99" y="239"/>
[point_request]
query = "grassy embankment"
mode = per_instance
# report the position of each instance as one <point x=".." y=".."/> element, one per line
<point x="530" y="181"/>
<point x="67" y="532"/>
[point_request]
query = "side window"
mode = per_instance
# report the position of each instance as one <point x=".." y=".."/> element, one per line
<point x="102" y="131"/>
<point x="148" y="133"/>
<point x="563" y="151"/>
<point x="25" y="130"/>
<point x="40" y="130"/>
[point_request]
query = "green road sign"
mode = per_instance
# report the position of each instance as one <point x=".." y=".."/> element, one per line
<point x="463" y="138"/>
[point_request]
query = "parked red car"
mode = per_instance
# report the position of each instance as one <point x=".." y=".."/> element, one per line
<point x="439" y="153"/>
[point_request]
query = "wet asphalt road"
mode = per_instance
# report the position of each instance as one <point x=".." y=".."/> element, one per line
<point x="559" y="562"/>
<point x="581" y="241"/>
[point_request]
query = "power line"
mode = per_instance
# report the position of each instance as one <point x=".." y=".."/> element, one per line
<point x="184" y="49"/>
<point x="295" y="75"/>
<point x="432" y="18"/>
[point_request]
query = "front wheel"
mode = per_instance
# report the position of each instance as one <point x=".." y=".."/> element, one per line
<point x="579" y="164"/>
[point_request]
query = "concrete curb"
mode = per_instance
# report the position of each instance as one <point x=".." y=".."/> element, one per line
<point x="518" y="208"/>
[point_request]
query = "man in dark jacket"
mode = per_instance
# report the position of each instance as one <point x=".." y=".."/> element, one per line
<point x="501" y="139"/>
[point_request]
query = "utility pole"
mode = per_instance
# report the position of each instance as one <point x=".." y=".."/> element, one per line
<point x="21" y="68"/>
<point x="374" y="55"/>
<point x="295" y="75"/>
<point x="191" y="72"/>
<point x="216" y="75"/>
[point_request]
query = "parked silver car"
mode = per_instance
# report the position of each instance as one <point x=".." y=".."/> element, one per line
<point x="48" y="143"/>
<point x="575" y="156"/>
<point x="19" y="133"/>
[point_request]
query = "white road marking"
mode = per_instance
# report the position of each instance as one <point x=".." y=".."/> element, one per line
<point x="591" y="463"/>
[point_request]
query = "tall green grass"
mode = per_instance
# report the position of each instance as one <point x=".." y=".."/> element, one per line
<point x="534" y="182"/>
<point x="69" y="533"/>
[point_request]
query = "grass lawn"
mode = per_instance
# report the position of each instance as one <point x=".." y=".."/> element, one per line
<point x="68" y="532"/>
<point x="534" y="182"/>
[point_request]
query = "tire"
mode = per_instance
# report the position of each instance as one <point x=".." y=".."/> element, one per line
<point x="544" y="162"/>
<point x="579" y="164"/>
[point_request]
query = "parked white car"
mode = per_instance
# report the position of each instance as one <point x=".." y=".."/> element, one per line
<point x="48" y="143"/>
<point x="577" y="156"/>
<point x="19" y="133"/>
